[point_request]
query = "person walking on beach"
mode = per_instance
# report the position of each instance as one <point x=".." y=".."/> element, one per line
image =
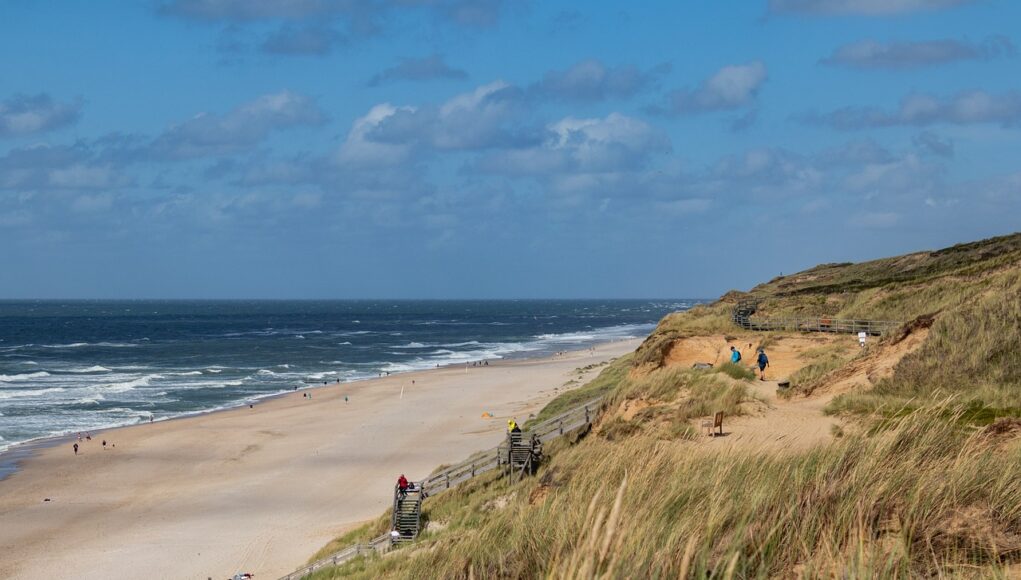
<point x="763" y="361"/>
<point x="75" y="448"/>
<point x="104" y="444"/>
<point x="735" y="355"/>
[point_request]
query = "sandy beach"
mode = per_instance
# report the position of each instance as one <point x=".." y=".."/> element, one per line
<point x="258" y="490"/>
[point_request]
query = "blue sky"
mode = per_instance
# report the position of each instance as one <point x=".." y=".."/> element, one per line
<point x="494" y="148"/>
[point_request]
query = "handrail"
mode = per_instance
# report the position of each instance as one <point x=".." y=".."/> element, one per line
<point x="490" y="459"/>
<point x="742" y="317"/>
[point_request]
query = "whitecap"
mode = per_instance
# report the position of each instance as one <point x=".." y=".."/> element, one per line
<point x="187" y="374"/>
<point x="29" y="393"/>
<point x="92" y="369"/>
<point x="415" y="345"/>
<point x="266" y="372"/>
<point x="23" y="377"/>
<point x="129" y="385"/>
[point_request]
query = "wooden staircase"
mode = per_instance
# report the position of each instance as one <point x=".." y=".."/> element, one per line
<point x="743" y="312"/>
<point x="407" y="513"/>
<point x="524" y="453"/>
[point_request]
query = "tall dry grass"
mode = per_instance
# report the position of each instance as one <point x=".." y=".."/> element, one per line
<point x="973" y="351"/>
<point x="921" y="498"/>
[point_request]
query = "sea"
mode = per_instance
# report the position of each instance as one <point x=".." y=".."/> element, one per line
<point x="71" y="366"/>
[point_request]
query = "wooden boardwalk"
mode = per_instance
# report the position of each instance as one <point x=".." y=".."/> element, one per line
<point x="742" y="316"/>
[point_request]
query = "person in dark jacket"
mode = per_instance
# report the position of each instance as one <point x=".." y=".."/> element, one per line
<point x="763" y="361"/>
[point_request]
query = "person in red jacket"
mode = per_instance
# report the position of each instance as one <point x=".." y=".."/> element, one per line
<point x="402" y="485"/>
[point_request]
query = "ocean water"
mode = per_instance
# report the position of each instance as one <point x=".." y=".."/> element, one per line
<point x="85" y="365"/>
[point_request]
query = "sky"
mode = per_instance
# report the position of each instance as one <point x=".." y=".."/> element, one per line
<point x="494" y="148"/>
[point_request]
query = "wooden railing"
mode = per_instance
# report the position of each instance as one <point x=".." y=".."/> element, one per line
<point x="744" y="310"/>
<point x="449" y="477"/>
<point x="493" y="458"/>
<point x="820" y="324"/>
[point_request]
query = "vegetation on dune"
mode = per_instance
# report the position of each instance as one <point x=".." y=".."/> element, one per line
<point x="823" y="361"/>
<point x="605" y="382"/>
<point x="925" y="481"/>
<point x="925" y="497"/>
<point x="973" y="351"/>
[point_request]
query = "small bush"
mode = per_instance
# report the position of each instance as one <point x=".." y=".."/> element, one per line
<point x="736" y="371"/>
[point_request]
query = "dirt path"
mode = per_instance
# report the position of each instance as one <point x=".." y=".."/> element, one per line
<point x="785" y="425"/>
<point x="778" y="425"/>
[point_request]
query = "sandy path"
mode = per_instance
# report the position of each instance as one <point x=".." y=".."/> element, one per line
<point x="259" y="489"/>
<point x="783" y="426"/>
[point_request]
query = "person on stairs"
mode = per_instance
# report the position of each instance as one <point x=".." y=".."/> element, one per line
<point x="402" y="486"/>
<point x="512" y="426"/>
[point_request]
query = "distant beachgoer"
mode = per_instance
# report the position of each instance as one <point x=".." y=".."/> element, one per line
<point x="104" y="444"/>
<point x="345" y="398"/>
<point x="763" y="361"/>
<point x="735" y="355"/>
<point x="512" y="426"/>
<point x="150" y="419"/>
<point x="75" y="448"/>
<point x="250" y="406"/>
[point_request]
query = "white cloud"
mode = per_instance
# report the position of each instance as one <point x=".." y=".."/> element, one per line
<point x="592" y="80"/>
<point x="732" y="87"/>
<point x="922" y="109"/>
<point x="862" y="7"/>
<point x="31" y="114"/>
<point x="208" y="134"/>
<point x="359" y="151"/>
<point x="871" y="54"/>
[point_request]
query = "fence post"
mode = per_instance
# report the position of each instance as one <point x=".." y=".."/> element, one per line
<point x="586" y="415"/>
<point x="561" y="426"/>
<point x="473" y="469"/>
<point x="448" y="480"/>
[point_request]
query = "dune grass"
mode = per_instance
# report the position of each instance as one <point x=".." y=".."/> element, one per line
<point x="736" y="371"/>
<point x="923" y="497"/>
<point x="925" y="483"/>
<point x="973" y="351"/>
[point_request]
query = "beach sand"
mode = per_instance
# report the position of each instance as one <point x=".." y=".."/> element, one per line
<point x="258" y="490"/>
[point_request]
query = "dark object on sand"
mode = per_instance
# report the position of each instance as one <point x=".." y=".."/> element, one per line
<point x="784" y="384"/>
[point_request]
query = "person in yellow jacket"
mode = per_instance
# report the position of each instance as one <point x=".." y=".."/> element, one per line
<point x="512" y="426"/>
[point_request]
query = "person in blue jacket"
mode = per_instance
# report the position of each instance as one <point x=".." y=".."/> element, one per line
<point x="763" y="361"/>
<point x="735" y="355"/>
